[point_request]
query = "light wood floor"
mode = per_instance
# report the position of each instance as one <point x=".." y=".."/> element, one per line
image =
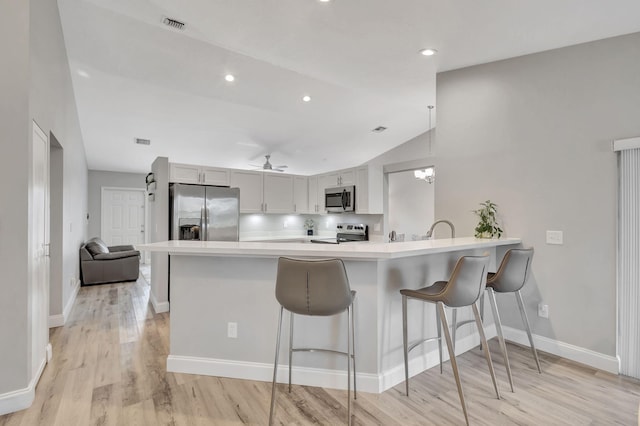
<point x="109" y="369"/>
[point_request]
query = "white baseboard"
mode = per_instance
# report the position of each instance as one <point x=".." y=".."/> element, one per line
<point x="158" y="307"/>
<point x="60" y="319"/>
<point x="417" y="365"/>
<point x="333" y="379"/>
<point x="593" y="359"/>
<point x="56" y="320"/>
<point x="23" y="398"/>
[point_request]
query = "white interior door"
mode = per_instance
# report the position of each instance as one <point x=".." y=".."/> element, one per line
<point x="39" y="230"/>
<point x="123" y="216"/>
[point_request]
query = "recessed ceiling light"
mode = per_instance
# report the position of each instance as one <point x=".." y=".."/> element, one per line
<point x="229" y="77"/>
<point x="428" y="52"/>
<point x="306" y="98"/>
<point x="83" y="73"/>
<point x="324" y="1"/>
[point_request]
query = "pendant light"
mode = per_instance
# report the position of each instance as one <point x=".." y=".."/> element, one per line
<point x="428" y="174"/>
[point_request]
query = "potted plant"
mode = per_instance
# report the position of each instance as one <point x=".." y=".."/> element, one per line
<point x="488" y="225"/>
<point x="308" y="225"/>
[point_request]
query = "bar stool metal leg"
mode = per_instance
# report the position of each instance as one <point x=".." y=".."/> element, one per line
<point x="275" y="368"/>
<point x="405" y="344"/>
<point x="452" y="357"/>
<point x="353" y="349"/>
<point x="439" y="326"/>
<point x="290" y="347"/>
<point x="526" y="324"/>
<point x="487" y="355"/>
<point x="503" y="346"/>
<point x="454" y="328"/>
<point x="350" y="314"/>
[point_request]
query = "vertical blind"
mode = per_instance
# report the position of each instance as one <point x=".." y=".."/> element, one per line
<point x="629" y="263"/>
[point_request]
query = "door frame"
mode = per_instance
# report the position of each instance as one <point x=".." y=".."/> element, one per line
<point x="145" y="215"/>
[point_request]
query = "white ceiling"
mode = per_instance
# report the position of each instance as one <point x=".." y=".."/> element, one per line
<point x="357" y="59"/>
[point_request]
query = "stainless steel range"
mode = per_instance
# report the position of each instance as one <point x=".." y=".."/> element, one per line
<point x="347" y="232"/>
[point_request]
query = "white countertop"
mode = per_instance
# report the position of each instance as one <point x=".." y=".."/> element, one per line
<point x="366" y="250"/>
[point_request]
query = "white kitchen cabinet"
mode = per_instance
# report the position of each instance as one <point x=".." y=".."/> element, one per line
<point x="278" y="193"/>
<point x="187" y="173"/>
<point x="369" y="188"/>
<point x="250" y="184"/>
<point x="301" y="195"/>
<point x="340" y="178"/>
<point x="184" y="173"/>
<point x="214" y="176"/>
<point x="314" y="203"/>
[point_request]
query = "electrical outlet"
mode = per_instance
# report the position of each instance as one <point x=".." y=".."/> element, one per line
<point x="543" y="310"/>
<point x="232" y="330"/>
<point x="554" y="237"/>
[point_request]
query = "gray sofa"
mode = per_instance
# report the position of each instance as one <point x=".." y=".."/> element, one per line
<point x="101" y="264"/>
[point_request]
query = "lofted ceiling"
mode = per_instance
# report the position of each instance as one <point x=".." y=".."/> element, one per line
<point x="358" y="60"/>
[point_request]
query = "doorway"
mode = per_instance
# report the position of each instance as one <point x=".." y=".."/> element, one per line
<point x="39" y="251"/>
<point x="411" y="205"/>
<point x="123" y="216"/>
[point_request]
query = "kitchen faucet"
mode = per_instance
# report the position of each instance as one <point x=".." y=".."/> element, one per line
<point x="453" y="228"/>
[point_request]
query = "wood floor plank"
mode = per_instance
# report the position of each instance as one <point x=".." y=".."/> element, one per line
<point x="109" y="368"/>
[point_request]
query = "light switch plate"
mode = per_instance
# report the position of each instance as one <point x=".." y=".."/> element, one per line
<point x="554" y="237"/>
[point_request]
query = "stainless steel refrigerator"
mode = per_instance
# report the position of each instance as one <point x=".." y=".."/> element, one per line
<point x="205" y="213"/>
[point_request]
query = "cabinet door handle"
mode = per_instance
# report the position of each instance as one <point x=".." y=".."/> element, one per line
<point x="265" y="207"/>
<point x="294" y="208"/>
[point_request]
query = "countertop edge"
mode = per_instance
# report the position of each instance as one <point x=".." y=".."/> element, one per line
<point x="358" y="251"/>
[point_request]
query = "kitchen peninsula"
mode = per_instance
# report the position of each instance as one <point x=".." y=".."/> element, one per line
<point x="222" y="289"/>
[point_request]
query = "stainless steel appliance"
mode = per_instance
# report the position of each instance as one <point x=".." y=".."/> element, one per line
<point x="204" y="213"/>
<point x="347" y="232"/>
<point x="341" y="199"/>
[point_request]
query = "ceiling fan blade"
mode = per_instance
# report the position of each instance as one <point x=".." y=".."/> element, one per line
<point x="277" y="170"/>
<point x="281" y="167"/>
<point x="255" y="165"/>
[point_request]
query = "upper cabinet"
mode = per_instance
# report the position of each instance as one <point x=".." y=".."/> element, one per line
<point x="250" y="184"/>
<point x="314" y="195"/>
<point x="301" y="197"/>
<point x="264" y="192"/>
<point x="187" y="173"/>
<point x="278" y="193"/>
<point x="340" y="178"/>
<point x="369" y="190"/>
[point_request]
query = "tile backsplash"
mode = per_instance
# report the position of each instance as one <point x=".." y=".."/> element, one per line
<point x="285" y="225"/>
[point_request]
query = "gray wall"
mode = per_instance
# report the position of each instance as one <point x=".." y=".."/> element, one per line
<point x="99" y="179"/>
<point x="52" y="105"/>
<point x="14" y="178"/>
<point x="533" y="134"/>
<point x="35" y="84"/>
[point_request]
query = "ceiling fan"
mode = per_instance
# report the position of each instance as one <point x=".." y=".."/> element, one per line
<point x="268" y="166"/>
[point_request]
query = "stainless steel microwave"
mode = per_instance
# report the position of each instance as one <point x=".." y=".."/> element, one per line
<point x="341" y="199"/>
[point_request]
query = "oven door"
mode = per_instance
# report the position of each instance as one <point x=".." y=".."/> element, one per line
<point x="339" y="200"/>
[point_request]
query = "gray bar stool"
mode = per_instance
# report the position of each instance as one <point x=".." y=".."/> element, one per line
<point x="464" y="287"/>
<point x="316" y="288"/>
<point x="511" y="276"/>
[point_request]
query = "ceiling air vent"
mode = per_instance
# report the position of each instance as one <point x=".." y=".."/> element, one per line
<point x="143" y="141"/>
<point x="379" y="129"/>
<point x="173" y="23"/>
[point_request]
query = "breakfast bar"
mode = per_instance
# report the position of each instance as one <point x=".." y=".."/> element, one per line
<point x="224" y="312"/>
